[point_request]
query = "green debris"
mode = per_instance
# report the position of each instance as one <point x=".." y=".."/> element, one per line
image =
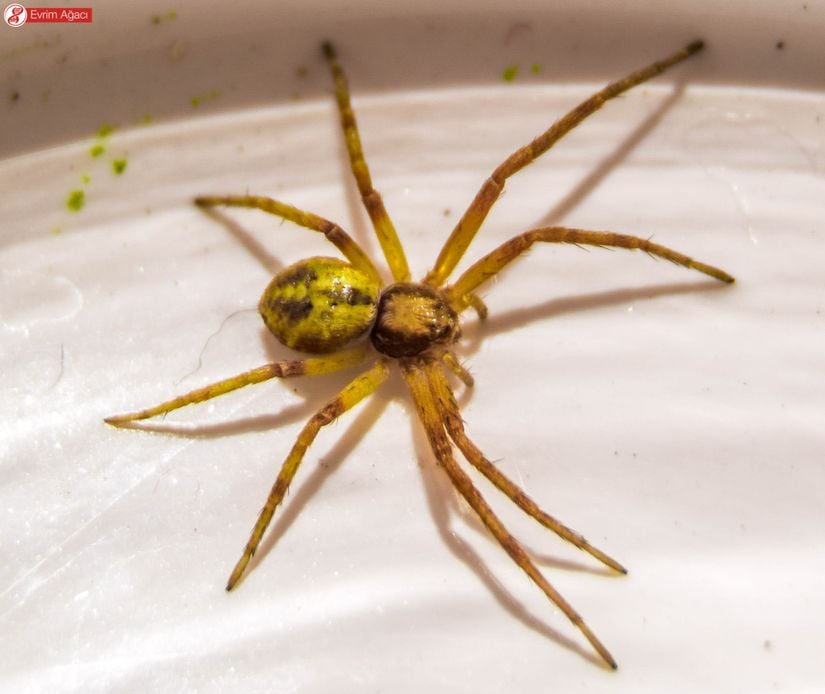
<point x="535" y="68"/>
<point x="119" y="166"/>
<point x="76" y="200"/>
<point x="85" y="179"/>
<point x="105" y="130"/>
<point x="96" y="150"/>
<point x="146" y="119"/>
<point x="206" y="96"/>
<point x="510" y="73"/>
<point x="170" y="16"/>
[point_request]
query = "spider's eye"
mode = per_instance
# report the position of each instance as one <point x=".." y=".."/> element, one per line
<point x="319" y="305"/>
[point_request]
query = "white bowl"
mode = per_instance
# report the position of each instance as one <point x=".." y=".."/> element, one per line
<point x="676" y="423"/>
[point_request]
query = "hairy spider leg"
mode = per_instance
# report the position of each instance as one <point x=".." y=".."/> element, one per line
<point x="381" y="222"/>
<point x="455" y="428"/>
<point x="491" y="264"/>
<point x="450" y="359"/>
<point x="358" y="389"/>
<point x="419" y="380"/>
<point x="469" y="224"/>
<point x="313" y="366"/>
<point x="334" y="233"/>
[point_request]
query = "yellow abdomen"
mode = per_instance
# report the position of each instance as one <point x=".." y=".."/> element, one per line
<point x="319" y="305"/>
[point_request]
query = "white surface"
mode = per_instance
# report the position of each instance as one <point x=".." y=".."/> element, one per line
<point x="675" y="423"/>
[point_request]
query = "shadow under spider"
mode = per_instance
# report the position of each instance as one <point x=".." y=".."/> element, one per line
<point x="441" y="498"/>
<point x="505" y="321"/>
<point x="364" y="420"/>
<point x="271" y="263"/>
<point x="606" y="166"/>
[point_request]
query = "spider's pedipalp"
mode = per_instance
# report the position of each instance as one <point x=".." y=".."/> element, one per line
<point x="334" y="234"/>
<point x="313" y="366"/>
<point x="462" y="291"/>
<point x="455" y="428"/>
<point x="452" y="363"/>
<point x="419" y="380"/>
<point x="478" y="305"/>
<point x="358" y="389"/>
<point x="472" y="219"/>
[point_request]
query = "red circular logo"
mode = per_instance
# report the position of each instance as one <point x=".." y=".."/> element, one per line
<point x="15" y="15"/>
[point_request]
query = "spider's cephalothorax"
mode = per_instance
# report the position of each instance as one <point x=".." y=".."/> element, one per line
<point x="411" y="319"/>
<point x="324" y="305"/>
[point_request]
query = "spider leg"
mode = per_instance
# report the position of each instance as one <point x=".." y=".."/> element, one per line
<point x="426" y="402"/>
<point x="461" y="292"/>
<point x="315" y="366"/>
<point x="381" y="222"/>
<point x="334" y="234"/>
<point x="450" y="359"/>
<point x="455" y="428"/>
<point x="469" y="224"/>
<point x="351" y="395"/>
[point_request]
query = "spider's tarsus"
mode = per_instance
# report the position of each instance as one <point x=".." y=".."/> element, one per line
<point x="608" y="561"/>
<point x="117" y="420"/>
<point x="238" y="571"/>
<point x="598" y="646"/>
<point x="233" y="581"/>
<point x="695" y="46"/>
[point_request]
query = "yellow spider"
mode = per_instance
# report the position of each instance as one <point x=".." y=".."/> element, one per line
<point x="328" y="307"/>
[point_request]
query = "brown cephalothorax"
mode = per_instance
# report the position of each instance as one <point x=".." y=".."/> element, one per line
<point x="326" y="306"/>
<point x="412" y="318"/>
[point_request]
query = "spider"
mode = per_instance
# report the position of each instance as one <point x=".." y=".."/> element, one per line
<point x="343" y="314"/>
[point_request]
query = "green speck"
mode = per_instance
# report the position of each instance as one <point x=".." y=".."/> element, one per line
<point x="85" y="179"/>
<point x="207" y="96"/>
<point x="119" y="166"/>
<point x="76" y="200"/>
<point x="96" y="150"/>
<point x="56" y="231"/>
<point x="170" y="16"/>
<point x="509" y="73"/>
<point x="105" y="130"/>
<point x="146" y="119"/>
<point x="535" y="68"/>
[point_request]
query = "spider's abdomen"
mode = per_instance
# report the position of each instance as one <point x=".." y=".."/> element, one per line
<point x="319" y="305"/>
<point x="411" y="319"/>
